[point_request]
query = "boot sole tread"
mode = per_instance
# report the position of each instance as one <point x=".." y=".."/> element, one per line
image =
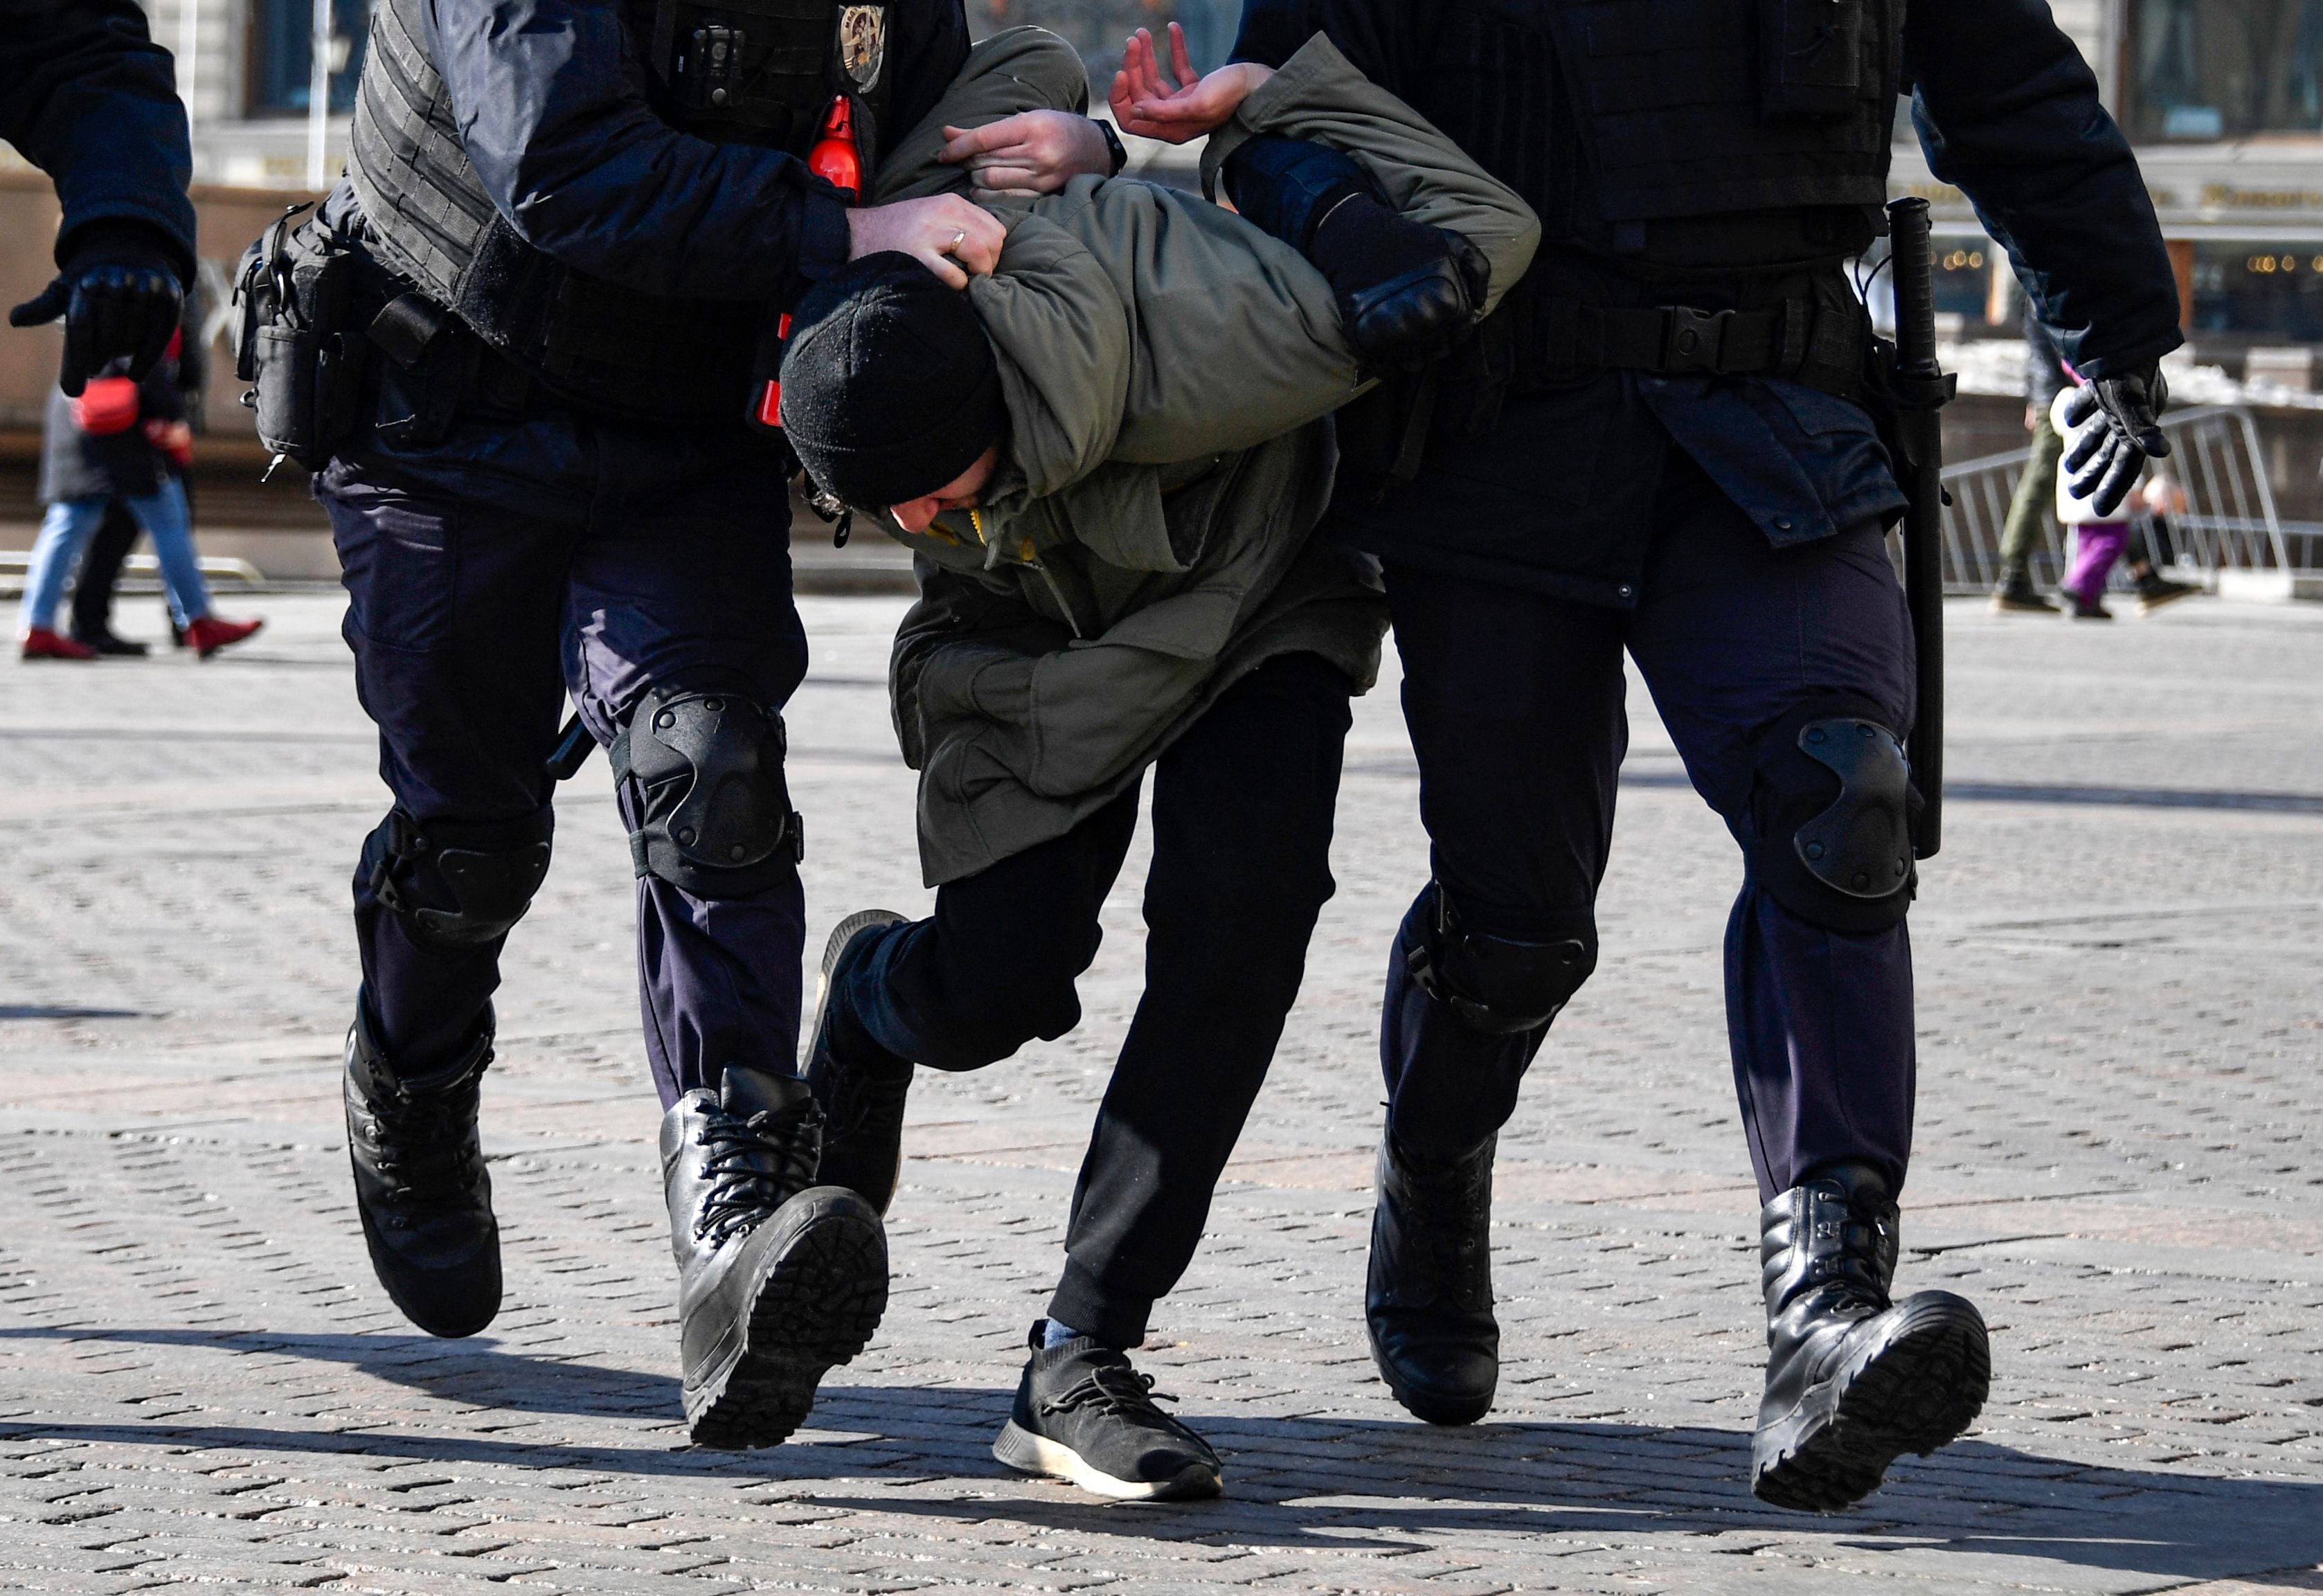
<point x="1913" y="1394"/>
<point x="817" y="1308"/>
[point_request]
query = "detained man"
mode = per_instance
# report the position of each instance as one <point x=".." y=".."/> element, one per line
<point x="1108" y="457"/>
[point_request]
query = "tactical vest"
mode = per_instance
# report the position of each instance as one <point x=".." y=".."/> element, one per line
<point x="1678" y="133"/>
<point x="742" y="71"/>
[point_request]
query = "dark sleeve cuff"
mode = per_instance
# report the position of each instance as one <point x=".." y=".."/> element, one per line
<point x="2133" y="357"/>
<point x="823" y="239"/>
<point x="125" y="234"/>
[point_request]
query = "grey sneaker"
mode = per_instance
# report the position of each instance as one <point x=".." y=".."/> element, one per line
<point x="1084" y="1415"/>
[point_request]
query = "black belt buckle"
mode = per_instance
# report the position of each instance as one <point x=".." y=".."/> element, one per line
<point x="1693" y="340"/>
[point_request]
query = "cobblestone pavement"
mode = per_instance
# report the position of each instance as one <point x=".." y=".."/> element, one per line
<point x="199" y="1382"/>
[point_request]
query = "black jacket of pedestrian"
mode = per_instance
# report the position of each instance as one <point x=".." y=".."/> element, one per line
<point x="2044" y="373"/>
<point x="76" y="463"/>
<point x="91" y="100"/>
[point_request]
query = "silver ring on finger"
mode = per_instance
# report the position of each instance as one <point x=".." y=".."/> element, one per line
<point x="959" y="238"/>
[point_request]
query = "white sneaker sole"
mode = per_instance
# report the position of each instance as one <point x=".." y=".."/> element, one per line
<point x="1028" y="1454"/>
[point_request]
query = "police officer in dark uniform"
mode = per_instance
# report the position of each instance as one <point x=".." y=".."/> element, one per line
<point x="565" y="230"/>
<point x="1665" y="442"/>
<point x="91" y="100"/>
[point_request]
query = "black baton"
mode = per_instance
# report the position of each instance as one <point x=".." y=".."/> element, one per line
<point x="1920" y="390"/>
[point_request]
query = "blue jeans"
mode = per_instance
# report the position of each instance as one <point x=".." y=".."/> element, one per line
<point x="71" y="523"/>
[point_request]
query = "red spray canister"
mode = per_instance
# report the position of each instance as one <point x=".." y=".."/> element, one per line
<point x="838" y="160"/>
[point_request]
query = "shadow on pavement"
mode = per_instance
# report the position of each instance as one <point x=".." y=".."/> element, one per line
<point x="1307" y="1482"/>
<point x="473" y="1372"/>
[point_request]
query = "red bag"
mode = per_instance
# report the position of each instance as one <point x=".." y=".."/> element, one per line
<point x="107" y="405"/>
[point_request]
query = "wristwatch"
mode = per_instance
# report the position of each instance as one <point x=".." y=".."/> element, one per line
<point x="1113" y="145"/>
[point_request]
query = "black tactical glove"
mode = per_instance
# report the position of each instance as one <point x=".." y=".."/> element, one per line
<point x="2104" y="461"/>
<point x="119" y="295"/>
<point x="1406" y="292"/>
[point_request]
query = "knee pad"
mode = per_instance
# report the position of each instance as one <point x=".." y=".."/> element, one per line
<point x="714" y="816"/>
<point x="1832" y="808"/>
<point x="455" y="885"/>
<point x="1498" y="986"/>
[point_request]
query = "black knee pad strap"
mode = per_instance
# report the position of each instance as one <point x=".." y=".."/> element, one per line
<point x="1832" y="815"/>
<point x="1499" y="986"/>
<point x="456" y="884"/>
<point x="716" y="816"/>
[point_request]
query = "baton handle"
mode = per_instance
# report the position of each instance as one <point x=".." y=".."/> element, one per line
<point x="1913" y="262"/>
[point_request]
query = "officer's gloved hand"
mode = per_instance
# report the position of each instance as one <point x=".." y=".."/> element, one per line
<point x="119" y="295"/>
<point x="2101" y="462"/>
<point x="1406" y="292"/>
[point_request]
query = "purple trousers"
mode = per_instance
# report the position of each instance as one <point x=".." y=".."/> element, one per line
<point x="517" y="562"/>
<point x="2096" y="544"/>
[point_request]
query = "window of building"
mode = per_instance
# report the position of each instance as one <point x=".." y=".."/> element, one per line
<point x="282" y="55"/>
<point x="2270" y="290"/>
<point x="1963" y="278"/>
<point x="2202" y="70"/>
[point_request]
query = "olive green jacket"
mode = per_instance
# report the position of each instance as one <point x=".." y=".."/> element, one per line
<point x="1168" y="371"/>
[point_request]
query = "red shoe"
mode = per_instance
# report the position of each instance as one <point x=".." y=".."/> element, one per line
<point x="206" y="634"/>
<point x="46" y="643"/>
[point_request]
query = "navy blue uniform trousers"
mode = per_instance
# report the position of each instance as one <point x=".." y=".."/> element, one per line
<point x="526" y="559"/>
<point x="1514" y="700"/>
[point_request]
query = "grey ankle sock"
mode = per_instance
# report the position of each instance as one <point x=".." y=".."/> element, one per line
<point x="1055" y="1333"/>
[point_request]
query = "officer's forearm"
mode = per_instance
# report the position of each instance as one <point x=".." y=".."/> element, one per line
<point x="571" y="155"/>
<point x="91" y="99"/>
<point x="2008" y="111"/>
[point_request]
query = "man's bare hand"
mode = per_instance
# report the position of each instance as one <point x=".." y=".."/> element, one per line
<point x="1178" y="106"/>
<point x="937" y="232"/>
<point x="1030" y="152"/>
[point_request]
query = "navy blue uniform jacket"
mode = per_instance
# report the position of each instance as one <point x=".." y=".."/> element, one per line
<point x="91" y="100"/>
<point x="553" y="114"/>
<point x="1558" y="497"/>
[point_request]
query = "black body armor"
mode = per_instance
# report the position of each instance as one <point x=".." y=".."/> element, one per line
<point x="748" y="71"/>
<point x="1677" y="135"/>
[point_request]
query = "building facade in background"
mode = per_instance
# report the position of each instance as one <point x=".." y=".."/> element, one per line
<point x="2224" y="101"/>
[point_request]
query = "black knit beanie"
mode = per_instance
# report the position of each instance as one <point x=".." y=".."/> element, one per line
<point x="889" y="387"/>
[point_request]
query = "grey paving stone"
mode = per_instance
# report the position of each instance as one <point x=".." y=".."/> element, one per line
<point x="200" y="1383"/>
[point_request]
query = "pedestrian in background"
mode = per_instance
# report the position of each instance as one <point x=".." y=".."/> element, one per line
<point x="2046" y="376"/>
<point x="90" y="615"/>
<point x="121" y="439"/>
<point x="2099" y="541"/>
<point x="2045" y="379"/>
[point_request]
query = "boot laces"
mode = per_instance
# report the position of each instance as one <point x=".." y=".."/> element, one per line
<point x="425" y="1145"/>
<point x="1116" y="1391"/>
<point x="1457" y="1257"/>
<point x="754" y="1166"/>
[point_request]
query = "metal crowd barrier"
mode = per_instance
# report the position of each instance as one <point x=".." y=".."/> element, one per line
<point x="2228" y="527"/>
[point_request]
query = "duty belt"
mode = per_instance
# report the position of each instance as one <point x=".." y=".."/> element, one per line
<point x="1792" y="338"/>
<point x="1569" y="335"/>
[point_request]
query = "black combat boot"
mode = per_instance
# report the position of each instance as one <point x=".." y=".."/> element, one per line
<point x="1429" y="1304"/>
<point x="420" y="1182"/>
<point x="859" y="1085"/>
<point x="777" y="1278"/>
<point x="1851" y="1382"/>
